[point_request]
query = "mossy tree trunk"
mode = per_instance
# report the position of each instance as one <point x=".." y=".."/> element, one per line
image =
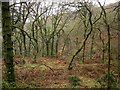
<point x="7" y="44"/>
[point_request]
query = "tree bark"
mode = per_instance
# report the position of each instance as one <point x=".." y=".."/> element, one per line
<point x="7" y="45"/>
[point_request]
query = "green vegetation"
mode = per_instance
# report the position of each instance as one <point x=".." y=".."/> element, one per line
<point x="74" y="81"/>
<point x="104" y="81"/>
<point x="65" y="45"/>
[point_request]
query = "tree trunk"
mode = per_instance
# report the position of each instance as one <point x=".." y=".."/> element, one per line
<point x="103" y="53"/>
<point x="92" y="43"/>
<point x="29" y="47"/>
<point x="103" y="46"/>
<point x="37" y="45"/>
<point x="52" y="46"/>
<point x="47" y="48"/>
<point x="56" y="46"/>
<point x="84" y="45"/>
<point x="24" y="44"/>
<point x="7" y="44"/>
<point x="20" y="48"/>
<point x="43" y="49"/>
<point x="109" y="59"/>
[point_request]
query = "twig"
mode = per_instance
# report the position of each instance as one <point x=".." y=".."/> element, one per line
<point x="48" y="67"/>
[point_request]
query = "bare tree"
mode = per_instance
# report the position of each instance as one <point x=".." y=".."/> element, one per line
<point x="91" y="23"/>
<point x="109" y="48"/>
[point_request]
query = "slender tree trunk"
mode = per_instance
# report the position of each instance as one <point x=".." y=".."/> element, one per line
<point x="29" y="47"/>
<point x="77" y="43"/>
<point x="56" y="46"/>
<point x="92" y="43"/>
<point x="20" y="48"/>
<point x="24" y="44"/>
<point x="37" y="47"/>
<point x="84" y="47"/>
<point x="103" y="50"/>
<point x="103" y="46"/>
<point x="87" y="36"/>
<point x="19" y="45"/>
<point x="35" y="51"/>
<point x="109" y="59"/>
<point x="7" y="44"/>
<point x="52" y="47"/>
<point x="43" y="49"/>
<point x="47" y="48"/>
<point x="109" y="48"/>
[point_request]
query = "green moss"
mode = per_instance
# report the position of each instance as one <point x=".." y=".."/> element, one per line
<point x="38" y="66"/>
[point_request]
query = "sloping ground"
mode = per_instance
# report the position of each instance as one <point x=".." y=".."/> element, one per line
<point x="53" y="73"/>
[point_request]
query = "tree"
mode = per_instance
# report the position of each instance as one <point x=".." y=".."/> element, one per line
<point x="91" y="24"/>
<point x="103" y="45"/>
<point x="105" y="20"/>
<point x="7" y="44"/>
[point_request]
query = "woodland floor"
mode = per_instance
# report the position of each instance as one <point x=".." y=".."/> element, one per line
<point x="53" y="73"/>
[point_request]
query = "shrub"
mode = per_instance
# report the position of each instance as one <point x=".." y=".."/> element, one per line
<point x="103" y="81"/>
<point x="74" y="81"/>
